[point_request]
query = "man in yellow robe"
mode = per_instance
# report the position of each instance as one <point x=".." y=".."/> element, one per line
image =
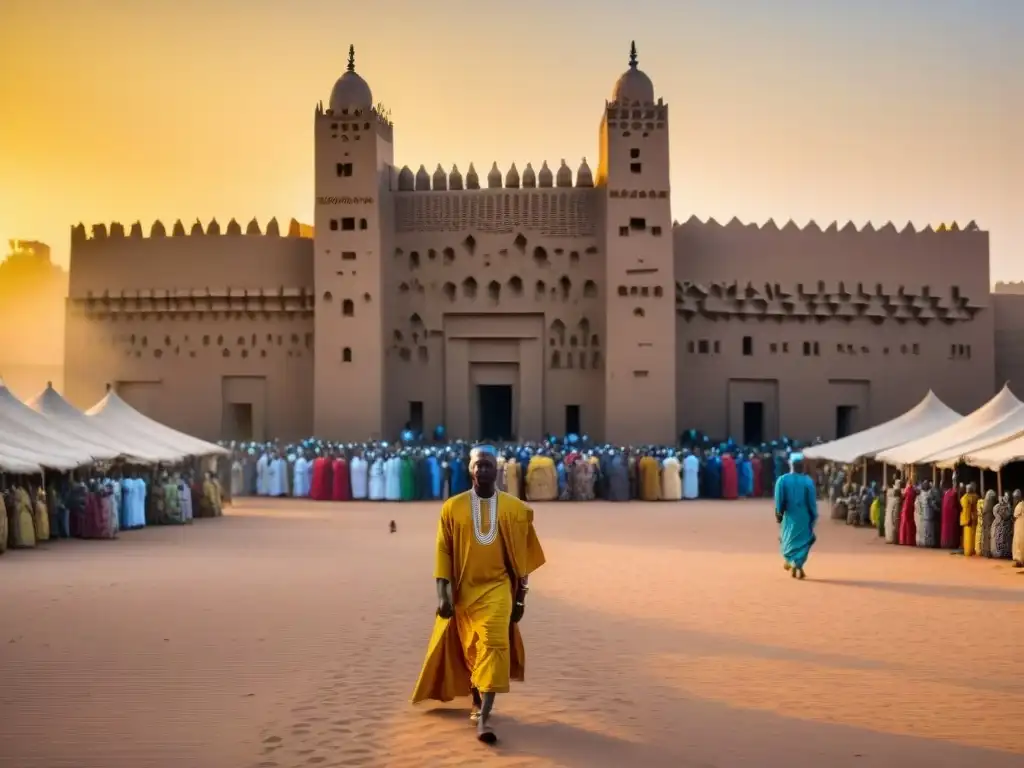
<point x="486" y="549"/>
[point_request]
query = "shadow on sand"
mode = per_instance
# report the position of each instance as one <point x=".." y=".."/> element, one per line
<point x="942" y="591"/>
<point x="568" y="745"/>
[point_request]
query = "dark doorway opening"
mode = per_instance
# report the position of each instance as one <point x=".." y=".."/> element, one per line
<point x="753" y="423"/>
<point x="846" y="417"/>
<point x="415" y="416"/>
<point x="572" y="420"/>
<point x="238" y="422"/>
<point x="495" y="411"/>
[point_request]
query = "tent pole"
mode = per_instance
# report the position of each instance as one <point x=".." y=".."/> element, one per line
<point x="865" y="473"/>
<point x="999" y="483"/>
<point x="885" y="471"/>
<point x="981" y="485"/>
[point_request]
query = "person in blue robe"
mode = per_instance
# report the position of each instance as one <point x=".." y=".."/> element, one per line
<point x="796" y="510"/>
<point x="744" y="476"/>
<point x="436" y="476"/>
<point x="618" y="478"/>
<point x="714" y="473"/>
<point x="460" y="476"/>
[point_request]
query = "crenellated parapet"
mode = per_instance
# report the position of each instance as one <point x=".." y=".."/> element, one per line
<point x="116" y="230"/>
<point x="849" y="228"/>
<point x="453" y="180"/>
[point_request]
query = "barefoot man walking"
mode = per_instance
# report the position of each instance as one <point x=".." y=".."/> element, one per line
<point x="796" y="509"/>
<point x="486" y="549"/>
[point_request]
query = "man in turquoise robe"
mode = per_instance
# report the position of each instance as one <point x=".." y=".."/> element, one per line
<point x="796" y="509"/>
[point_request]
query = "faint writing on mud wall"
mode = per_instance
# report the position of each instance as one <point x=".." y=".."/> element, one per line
<point x="344" y="200"/>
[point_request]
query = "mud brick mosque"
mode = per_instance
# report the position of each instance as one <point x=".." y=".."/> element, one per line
<point x="548" y="298"/>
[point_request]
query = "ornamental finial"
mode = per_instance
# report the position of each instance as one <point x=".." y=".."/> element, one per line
<point x="632" y="55"/>
<point x="351" y="58"/>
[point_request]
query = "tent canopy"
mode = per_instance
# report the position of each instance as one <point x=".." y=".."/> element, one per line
<point x="114" y="414"/>
<point x="965" y="430"/>
<point x="16" y="462"/>
<point x="76" y="424"/>
<point x="1007" y="428"/>
<point x="926" y="417"/>
<point x="26" y="430"/>
<point x="995" y="457"/>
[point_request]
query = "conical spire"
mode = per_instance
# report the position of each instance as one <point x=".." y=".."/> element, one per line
<point x="352" y="58"/>
<point x="632" y="54"/>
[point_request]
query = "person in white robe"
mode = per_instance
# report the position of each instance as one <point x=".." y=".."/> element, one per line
<point x="393" y="479"/>
<point x="185" y="499"/>
<point x="358" y="477"/>
<point x="671" y="482"/>
<point x="263" y="475"/>
<point x="237" y="478"/>
<point x="377" y="480"/>
<point x="137" y="503"/>
<point x="303" y="477"/>
<point x="276" y="473"/>
<point x="691" y="477"/>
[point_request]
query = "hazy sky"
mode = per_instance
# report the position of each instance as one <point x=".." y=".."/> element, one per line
<point x="824" y="109"/>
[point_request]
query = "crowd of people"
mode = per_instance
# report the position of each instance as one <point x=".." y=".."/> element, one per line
<point x="98" y="504"/>
<point x="557" y="469"/>
<point x="925" y="514"/>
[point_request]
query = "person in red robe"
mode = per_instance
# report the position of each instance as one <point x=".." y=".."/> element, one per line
<point x="323" y="485"/>
<point x="908" y="525"/>
<point x="755" y="467"/>
<point x="949" y="532"/>
<point x="342" y="488"/>
<point x="730" y="480"/>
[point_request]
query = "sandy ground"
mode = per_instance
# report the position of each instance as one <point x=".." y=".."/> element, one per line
<point x="290" y="634"/>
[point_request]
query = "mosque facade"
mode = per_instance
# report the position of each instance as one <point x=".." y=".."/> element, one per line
<point x="518" y="302"/>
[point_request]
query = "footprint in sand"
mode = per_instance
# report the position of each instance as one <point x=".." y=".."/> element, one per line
<point x="273" y="740"/>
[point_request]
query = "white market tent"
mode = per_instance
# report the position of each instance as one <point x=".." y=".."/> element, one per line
<point x="965" y="430"/>
<point x="115" y="415"/>
<point x="1009" y="427"/>
<point x="37" y="439"/>
<point x="14" y="461"/>
<point x="995" y="457"/>
<point x="925" y="418"/>
<point x="76" y="424"/>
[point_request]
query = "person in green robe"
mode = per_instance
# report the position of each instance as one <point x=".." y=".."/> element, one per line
<point x="407" y="478"/>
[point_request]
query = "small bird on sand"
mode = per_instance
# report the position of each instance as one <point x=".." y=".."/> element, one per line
<point x="392" y="527"/>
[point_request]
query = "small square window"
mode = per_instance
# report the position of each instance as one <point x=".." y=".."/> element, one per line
<point x="348" y="224"/>
<point x="623" y="231"/>
<point x="636" y="168"/>
<point x="634" y="153"/>
<point x="656" y="231"/>
<point x="334" y="225"/>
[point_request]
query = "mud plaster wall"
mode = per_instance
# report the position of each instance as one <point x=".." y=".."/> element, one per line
<point x="520" y="271"/>
<point x="1009" y="340"/>
<point x="892" y="313"/>
<point x="175" y="321"/>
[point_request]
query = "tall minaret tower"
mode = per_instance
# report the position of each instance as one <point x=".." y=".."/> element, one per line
<point x="353" y="158"/>
<point x="640" y="368"/>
